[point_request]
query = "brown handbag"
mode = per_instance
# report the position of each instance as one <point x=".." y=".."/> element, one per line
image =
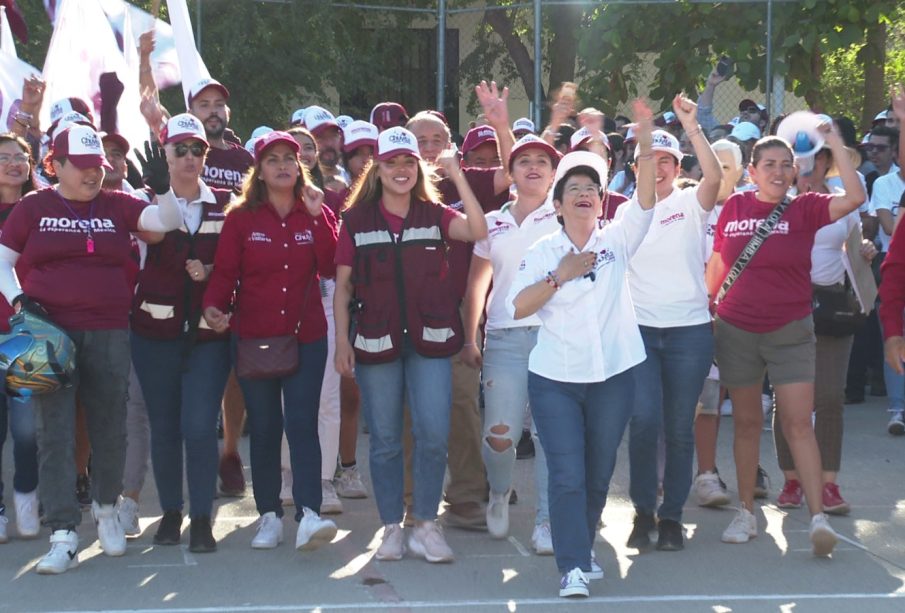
<point x="272" y="357"/>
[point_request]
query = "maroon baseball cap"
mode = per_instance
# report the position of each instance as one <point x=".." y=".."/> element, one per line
<point x="80" y="145"/>
<point x="272" y="138"/>
<point x="359" y="133"/>
<point x="476" y="137"/>
<point x="388" y="115"/>
<point x="67" y="105"/>
<point x="530" y="141"/>
<point x="203" y="84"/>
<point x="117" y="139"/>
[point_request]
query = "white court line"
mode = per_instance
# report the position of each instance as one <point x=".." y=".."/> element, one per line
<point x="521" y="548"/>
<point x="155" y="565"/>
<point x="527" y="602"/>
<point x="187" y="556"/>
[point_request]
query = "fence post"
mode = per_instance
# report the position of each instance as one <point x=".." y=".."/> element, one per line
<point x="769" y="75"/>
<point x="441" y="54"/>
<point x="538" y="56"/>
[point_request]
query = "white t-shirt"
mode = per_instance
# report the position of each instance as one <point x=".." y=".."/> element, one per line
<point x="588" y="330"/>
<point x="666" y="275"/>
<point x="827" y="256"/>
<point x="505" y="246"/>
<point x="886" y="195"/>
<point x="835" y="185"/>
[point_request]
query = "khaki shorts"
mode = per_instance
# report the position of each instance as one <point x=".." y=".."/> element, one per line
<point x="788" y="355"/>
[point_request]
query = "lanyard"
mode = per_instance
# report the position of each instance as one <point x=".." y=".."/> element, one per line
<point x="89" y="239"/>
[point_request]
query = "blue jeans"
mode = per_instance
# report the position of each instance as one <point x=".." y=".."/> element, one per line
<point x="427" y="383"/>
<point x="505" y="377"/>
<point x="183" y="397"/>
<point x="580" y="426"/>
<point x="668" y="384"/>
<point x="297" y="397"/>
<point x="19" y="416"/>
<point x="895" y="386"/>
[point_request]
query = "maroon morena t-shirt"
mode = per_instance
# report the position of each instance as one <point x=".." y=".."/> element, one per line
<point x="775" y="287"/>
<point x="79" y="290"/>
<point x="226" y="168"/>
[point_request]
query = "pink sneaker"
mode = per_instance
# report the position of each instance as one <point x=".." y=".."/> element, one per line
<point x="833" y="502"/>
<point x="790" y="496"/>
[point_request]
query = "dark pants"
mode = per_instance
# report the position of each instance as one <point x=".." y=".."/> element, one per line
<point x="183" y="395"/>
<point x="101" y="379"/>
<point x="19" y="416"/>
<point x="295" y="398"/>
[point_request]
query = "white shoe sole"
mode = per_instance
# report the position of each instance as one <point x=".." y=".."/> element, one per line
<point x="316" y="540"/>
<point x="353" y="495"/>
<point x="267" y="545"/>
<point x="416" y="548"/>
<point x="719" y="500"/>
<point x="823" y="542"/>
<point x="574" y="592"/>
<point x="738" y="540"/>
<point x="55" y="570"/>
<point x="332" y="509"/>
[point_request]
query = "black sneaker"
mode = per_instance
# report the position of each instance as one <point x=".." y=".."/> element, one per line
<point x="201" y="537"/>
<point x="670" y="535"/>
<point x="852" y="397"/>
<point x="169" y="532"/>
<point x="525" y="448"/>
<point x="640" y="536"/>
<point x="83" y="490"/>
<point x="762" y="485"/>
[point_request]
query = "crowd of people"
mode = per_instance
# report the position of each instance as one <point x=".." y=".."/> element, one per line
<point x="468" y="296"/>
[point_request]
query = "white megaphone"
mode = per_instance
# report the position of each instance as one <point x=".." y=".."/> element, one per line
<point x="802" y="130"/>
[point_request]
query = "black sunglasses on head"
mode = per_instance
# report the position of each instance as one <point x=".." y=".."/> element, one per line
<point x="197" y="149"/>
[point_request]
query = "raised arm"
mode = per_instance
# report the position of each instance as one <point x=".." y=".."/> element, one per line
<point x="646" y="172"/>
<point x="709" y="186"/>
<point x="496" y="110"/>
<point x="843" y="204"/>
<point x="471" y="226"/>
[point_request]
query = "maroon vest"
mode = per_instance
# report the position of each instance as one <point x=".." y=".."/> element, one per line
<point x="402" y="285"/>
<point x="167" y="302"/>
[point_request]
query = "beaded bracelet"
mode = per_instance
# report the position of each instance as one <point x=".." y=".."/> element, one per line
<point x="553" y="280"/>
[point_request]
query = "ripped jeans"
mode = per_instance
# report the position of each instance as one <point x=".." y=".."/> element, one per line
<point x="505" y="380"/>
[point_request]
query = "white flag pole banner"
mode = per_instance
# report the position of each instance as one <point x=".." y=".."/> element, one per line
<point x="190" y="63"/>
<point x="129" y="121"/>
<point x="13" y="73"/>
<point x="7" y="43"/>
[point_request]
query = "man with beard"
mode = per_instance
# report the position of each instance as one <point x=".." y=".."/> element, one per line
<point x="329" y="136"/>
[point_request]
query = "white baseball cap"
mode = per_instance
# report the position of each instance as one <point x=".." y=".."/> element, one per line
<point x="261" y="131"/>
<point x="298" y="117"/>
<point x="183" y="127"/>
<point x="581" y="158"/>
<point x="343" y="121"/>
<point x="523" y="124"/>
<point x="661" y="140"/>
<point x="359" y="133"/>
<point x="745" y="130"/>
<point x="318" y="119"/>
<point x="203" y="84"/>
<point x="396" y="141"/>
<point x="82" y="146"/>
<point x="583" y="136"/>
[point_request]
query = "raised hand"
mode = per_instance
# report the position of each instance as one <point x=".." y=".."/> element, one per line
<point x="494" y="103"/>
<point x="146" y="44"/>
<point x="448" y="161"/>
<point x="897" y="96"/>
<point x="155" y="170"/>
<point x="685" y="110"/>
<point x="314" y="199"/>
<point x="152" y="111"/>
<point x="32" y="93"/>
<point x="644" y="121"/>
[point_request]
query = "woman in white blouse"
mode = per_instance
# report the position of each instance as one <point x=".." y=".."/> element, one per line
<point x="580" y="384"/>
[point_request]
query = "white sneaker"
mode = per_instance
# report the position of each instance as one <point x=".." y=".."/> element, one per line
<point x="726" y="408"/>
<point x="498" y="514"/>
<point x="428" y="542"/>
<point x="286" y="488"/>
<point x="330" y="503"/>
<point x="542" y="539"/>
<point x="28" y="525"/>
<point x="313" y="531"/>
<point x="710" y="491"/>
<point x="109" y="530"/>
<point x="393" y="545"/>
<point x="742" y="529"/>
<point x="823" y="537"/>
<point x="128" y="516"/>
<point x="896" y="424"/>
<point x="574" y="584"/>
<point x="349" y="484"/>
<point x="596" y="569"/>
<point x="4" y="531"/>
<point x="270" y="532"/>
<point x="63" y="554"/>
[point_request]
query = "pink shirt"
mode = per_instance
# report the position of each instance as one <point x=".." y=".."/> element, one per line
<point x="775" y="288"/>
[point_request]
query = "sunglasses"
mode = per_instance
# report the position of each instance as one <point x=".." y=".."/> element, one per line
<point x="197" y="149"/>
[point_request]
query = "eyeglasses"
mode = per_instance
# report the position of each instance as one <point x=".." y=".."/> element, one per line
<point x="197" y="149"/>
<point x="13" y="158"/>
<point x="752" y="110"/>
<point x="574" y="190"/>
<point x="873" y="147"/>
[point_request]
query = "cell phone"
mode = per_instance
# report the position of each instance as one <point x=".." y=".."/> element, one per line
<point x="725" y="67"/>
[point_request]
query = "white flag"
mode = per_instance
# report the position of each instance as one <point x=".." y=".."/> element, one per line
<point x="7" y="44"/>
<point x="129" y="121"/>
<point x="190" y="63"/>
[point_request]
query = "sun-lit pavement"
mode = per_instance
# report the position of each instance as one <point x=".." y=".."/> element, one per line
<point x="776" y="572"/>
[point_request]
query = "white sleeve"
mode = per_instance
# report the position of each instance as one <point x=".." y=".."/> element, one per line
<point x="633" y="225"/>
<point x="164" y="216"/>
<point x="9" y="283"/>
<point x="530" y="271"/>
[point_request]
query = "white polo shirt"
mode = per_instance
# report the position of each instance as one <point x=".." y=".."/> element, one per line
<point x="666" y="275"/>
<point x="588" y="331"/>
<point x="887" y="192"/>
<point x="505" y="246"/>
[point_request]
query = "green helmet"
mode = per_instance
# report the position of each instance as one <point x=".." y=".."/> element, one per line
<point x="36" y="357"/>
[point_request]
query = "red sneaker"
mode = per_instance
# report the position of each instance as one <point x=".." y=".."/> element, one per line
<point x="232" y="481"/>
<point x="833" y="502"/>
<point x="790" y="496"/>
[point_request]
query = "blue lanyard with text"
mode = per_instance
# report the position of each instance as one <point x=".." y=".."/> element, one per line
<point x="89" y="240"/>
